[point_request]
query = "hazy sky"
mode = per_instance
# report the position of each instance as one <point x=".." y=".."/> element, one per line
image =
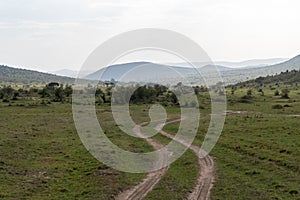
<point x="55" y="34"/>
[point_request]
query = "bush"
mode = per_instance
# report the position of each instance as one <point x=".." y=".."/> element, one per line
<point x="277" y="106"/>
<point x="244" y="101"/>
<point x="285" y="93"/>
<point x="249" y="92"/>
<point x="247" y="97"/>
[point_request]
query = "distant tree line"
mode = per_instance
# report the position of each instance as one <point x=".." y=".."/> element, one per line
<point x="52" y="91"/>
<point x="106" y="93"/>
<point x="287" y="77"/>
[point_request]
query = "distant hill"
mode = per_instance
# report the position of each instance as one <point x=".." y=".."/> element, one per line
<point x="242" y="64"/>
<point x="253" y="63"/>
<point x="23" y="76"/>
<point x="147" y="72"/>
<point x="70" y="73"/>
<point x="291" y="64"/>
<point x="244" y="74"/>
<point x="140" y="71"/>
<point x="65" y="72"/>
<point x="208" y="68"/>
<point x="288" y="77"/>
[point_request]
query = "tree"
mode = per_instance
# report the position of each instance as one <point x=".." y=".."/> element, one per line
<point x="249" y="92"/>
<point x="52" y="85"/>
<point x="285" y="93"/>
<point x="7" y="92"/>
<point x="233" y="89"/>
<point x="44" y="92"/>
<point x="68" y="90"/>
<point x="100" y="96"/>
<point x="59" y="94"/>
<point x="261" y="92"/>
<point x="196" y="90"/>
<point x="15" y="97"/>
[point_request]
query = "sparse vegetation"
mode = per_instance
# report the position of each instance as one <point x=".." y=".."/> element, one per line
<point x="257" y="155"/>
<point x="9" y="75"/>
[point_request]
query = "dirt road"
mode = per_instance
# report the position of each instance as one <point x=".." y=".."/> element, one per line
<point x="205" y="178"/>
<point x="206" y="174"/>
<point x="141" y="190"/>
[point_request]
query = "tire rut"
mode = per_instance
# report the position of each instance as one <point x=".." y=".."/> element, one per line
<point x="206" y="173"/>
<point x="205" y="177"/>
<point x="141" y="190"/>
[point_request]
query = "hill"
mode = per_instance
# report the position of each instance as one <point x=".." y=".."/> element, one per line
<point x="245" y="74"/>
<point x="288" y="77"/>
<point x="23" y="76"/>
<point x="253" y="63"/>
<point x="147" y="72"/>
<point x="291" y="64"/>
<point x="65" y="72"/>
<point x="220" y="68"/>
<point x="140" y="71"/>
<point x="144" y="71"/>
<point x="242" y="64"/>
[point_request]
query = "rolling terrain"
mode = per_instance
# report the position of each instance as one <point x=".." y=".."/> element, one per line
<point x="23" y="76"/>
<point x="242" y="64"/>
<point x="147" y="72"/>
<point x="256" y="157"/>
<point x="143" y="71"/>
<point x="244" y="74"/>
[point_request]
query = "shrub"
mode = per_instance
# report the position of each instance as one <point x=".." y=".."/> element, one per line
<point x="244" y="101"/>
<point x="249" y="92"/>
<point x="285" y="93"/>
<point x="246" y="97"/>
<point x="287" y="106"/>
<point x="277" y="106"/>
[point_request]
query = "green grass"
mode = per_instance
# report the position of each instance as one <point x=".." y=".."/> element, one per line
<point x="257" y="155"/>
<point x="43" y="158"/>
<point x="258" y="158"/>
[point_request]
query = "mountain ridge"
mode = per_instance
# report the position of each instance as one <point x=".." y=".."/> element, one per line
<point x="147" y="70"/>
<point x="26" y="76"/>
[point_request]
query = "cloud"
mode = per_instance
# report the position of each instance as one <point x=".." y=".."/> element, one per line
<point x="66" y="31"/>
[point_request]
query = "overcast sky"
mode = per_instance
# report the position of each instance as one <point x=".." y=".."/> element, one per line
<point x="55" y="34"/>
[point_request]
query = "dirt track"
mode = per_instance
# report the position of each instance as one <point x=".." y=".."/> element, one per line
<point x="206" y="165"/>
<point x="142" y="189"/>
<point x="205" y="178"/>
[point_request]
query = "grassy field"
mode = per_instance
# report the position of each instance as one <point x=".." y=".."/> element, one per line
<point x="42" y="157"/>
<point x="257" y="156"/>
<point x="258" y="153"/>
